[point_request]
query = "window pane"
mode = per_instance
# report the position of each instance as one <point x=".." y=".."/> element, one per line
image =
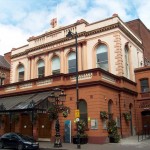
<point x="144" y="85"/>
<point x="55" y="63"/>
<point x="102" y="57"/>
<point x="20" y="73"/>
<point x="83" y="111"/>
<point x="71" y="63"/>
<point x="41" y="68"/>
<point x="21" y="76"/>
<point x="41" y="72"/>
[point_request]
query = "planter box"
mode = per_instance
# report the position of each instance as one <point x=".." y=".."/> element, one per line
<point x="83" y="140"/>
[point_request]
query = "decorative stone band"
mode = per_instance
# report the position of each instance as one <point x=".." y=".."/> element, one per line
<point x="84" y="76"/>
<point x="10" y="88"/>
<point x="26" y="85"/>
<point x="44" y="82"/>
<point x="108" y="78"/>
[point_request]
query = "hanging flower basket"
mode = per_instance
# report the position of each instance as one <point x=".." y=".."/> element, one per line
<point x="127" y="116"/>
<point x="65" y="114"/>
<point x="103" y="115"/>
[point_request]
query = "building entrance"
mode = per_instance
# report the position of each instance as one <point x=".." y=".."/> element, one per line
<point x="44" y="126"/>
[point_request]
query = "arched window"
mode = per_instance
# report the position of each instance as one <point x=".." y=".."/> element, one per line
<point x="110" y="103"/>
<point x="127" y="71"/>
<point x="41" y="68"/>
<point x="20" y="73"/>
<point x="102" y="57"/>
<point x="72" y="62"/>
<point x="55" y="65"/>
<point x="83" y="111"/>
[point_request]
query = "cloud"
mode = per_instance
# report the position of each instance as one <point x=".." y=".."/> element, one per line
<point x="11" y="37"/>
<point x="21" y="19"/>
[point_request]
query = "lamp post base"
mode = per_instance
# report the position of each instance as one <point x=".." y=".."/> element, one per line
<point x="57" y="142"/>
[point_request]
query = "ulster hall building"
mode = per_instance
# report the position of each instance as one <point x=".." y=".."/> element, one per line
<point x="111" y="74"/>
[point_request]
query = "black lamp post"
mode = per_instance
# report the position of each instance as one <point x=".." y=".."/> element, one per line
<point x="57" y="97"/>
<point x="31" y="106"/>
<point x="75" y="35"/>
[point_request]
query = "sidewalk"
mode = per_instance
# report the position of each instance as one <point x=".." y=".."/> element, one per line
<point x="126" y="143"/>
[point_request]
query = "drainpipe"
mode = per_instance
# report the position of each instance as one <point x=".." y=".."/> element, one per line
<point x="120" y="115"/>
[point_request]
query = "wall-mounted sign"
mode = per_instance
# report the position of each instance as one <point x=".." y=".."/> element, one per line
<point x="77" y="113"/>
<point x="145" y="105"/>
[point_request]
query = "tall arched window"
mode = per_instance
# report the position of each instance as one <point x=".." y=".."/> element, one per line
<point x="127" y="69"/>
<point x="72" y="62"/>
<point x="20" y="73"/>
<point x="55" y="65"/>
<point x="102" y="57"/>
<point x="110" y="103"/>
<point x="83" y="111"/>
<point x="41" y="68"/>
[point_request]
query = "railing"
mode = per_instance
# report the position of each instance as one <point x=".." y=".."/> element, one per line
<point x="144" y="134"/>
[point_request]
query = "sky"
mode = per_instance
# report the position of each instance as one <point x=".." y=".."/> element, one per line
<point x="21" y="19"/>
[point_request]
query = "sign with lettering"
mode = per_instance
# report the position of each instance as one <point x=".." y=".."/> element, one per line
<point x="144" y="105"/>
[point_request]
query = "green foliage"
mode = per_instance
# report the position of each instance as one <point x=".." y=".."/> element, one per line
<point x="127" y="116"/>
<point x="103" y="115"/>
<point x="112" y="130"/>
<point x="54" y="110"/>
<point x="81" y="127"/>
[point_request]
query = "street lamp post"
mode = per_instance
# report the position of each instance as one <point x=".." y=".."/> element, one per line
<point x="31" y="106"/>
<point x="71" y="35"/>
<point x="57" y="97"/>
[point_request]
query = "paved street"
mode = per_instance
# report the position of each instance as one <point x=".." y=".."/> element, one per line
<point x="130" y="143"/>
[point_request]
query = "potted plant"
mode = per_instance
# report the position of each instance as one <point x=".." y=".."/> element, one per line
<point x="114" y="137"/>
<point x="103" y="115"/>
<point x="81" y="135"/>
<point x="127" y="116"/>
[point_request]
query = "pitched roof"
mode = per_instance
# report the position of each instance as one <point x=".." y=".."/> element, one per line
<point x="4" y="63"/>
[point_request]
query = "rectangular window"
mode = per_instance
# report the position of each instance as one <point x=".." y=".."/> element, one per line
<point x="21" y="76"/>
<point x="144" y="85"/>
<point x="41" y="72"/>
<point x="72" y="65"/>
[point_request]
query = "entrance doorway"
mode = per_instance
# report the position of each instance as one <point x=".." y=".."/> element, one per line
<point x="44" y="126"/>
<point x="146" y="120"/>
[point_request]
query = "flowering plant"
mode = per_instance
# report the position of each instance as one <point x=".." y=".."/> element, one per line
<point x="127" y="116"/>
<point x="81" y="127"/>
<point x="112" y="130"/>
<point x="54" y="110"/>
<point x="103" y="115"/>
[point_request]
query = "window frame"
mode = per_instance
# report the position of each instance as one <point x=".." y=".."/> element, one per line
<point x="100" y="63"/>
<point x="40" y="69"/>
<point x="21" y="77"/>
<point x="147" y="87"/>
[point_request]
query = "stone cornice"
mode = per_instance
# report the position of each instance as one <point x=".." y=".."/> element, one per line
<point x="147" y="68"/>
<point x="84" y="33"/>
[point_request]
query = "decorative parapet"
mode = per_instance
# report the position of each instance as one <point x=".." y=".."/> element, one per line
<point x="26" y="85"/>
<point x="10" y="88"/>
<point x="84" y="76"/>
<point x="108" y="78"/>
<point x="44" y="82"/>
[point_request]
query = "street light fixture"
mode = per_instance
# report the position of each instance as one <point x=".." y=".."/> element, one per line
<point x="57" y="97"/>
<point x="75" y="35"/>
